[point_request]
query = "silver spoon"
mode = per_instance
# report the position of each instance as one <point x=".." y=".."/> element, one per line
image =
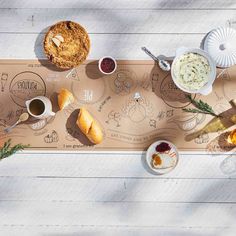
<point x="164" y="65"/>
<point x="23" y="117"/>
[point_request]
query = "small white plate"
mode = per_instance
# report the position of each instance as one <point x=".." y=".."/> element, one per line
<point x="152" y="150"/>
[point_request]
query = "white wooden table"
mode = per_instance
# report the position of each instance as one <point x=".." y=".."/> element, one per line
<point x="112" y="194"/>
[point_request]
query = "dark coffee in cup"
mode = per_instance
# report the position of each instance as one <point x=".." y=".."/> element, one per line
<point x="36" y="107"/>
<point x="39" y="107"/>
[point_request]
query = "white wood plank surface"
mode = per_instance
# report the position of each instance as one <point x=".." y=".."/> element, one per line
<point x="111" y="166"/>
<point x="112" y="194"/>
<point x="88" y="230"/>
<point x="115" y="21"/>
<point x="152" y="215"/>
<point x="122" y="4"/>
<point x="120" y="46"/>
<point x="118" y="190"/>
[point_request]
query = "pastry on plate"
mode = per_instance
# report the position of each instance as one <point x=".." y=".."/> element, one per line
<point x="65" y="97"/>
<point x="89" y="126"/>
<point x="66" y="44"/>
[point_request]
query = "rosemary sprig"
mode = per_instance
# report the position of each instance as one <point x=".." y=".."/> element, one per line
<point x="7" y="150"/>
<point x="202" y="107"/>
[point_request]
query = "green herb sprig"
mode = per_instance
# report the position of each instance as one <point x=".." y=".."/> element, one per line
<point x="201" y="107"/>
<point x="7" y="150"/>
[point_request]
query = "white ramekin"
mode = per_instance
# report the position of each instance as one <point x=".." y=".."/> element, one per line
<point x="99" y="65"/>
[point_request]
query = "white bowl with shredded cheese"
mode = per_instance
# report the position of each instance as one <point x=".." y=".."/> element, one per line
<point x="193" y="71"/>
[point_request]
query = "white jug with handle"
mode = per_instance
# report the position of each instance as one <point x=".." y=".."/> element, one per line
<point x="40" y="107"/>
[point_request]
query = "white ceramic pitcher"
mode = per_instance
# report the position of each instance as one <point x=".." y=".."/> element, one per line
<point x="47" y="107"/>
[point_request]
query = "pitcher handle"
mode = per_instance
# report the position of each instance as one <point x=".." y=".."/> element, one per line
<point x="52" y="113"/>
<point x="27" y="103"/>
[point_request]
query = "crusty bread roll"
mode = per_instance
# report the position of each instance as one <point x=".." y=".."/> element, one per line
<point x="89" y="126"/>
<point x="65" y="98"/>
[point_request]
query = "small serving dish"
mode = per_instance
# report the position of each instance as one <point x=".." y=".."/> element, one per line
<point x="107" y="65"/>
<point x="207" y="87"/>
<point x="162" y="157"/>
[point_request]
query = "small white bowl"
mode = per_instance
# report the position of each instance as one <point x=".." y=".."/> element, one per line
<point x="206" y="89"/>
<point x="99" y="65"/>
<point x="152" y="150"/>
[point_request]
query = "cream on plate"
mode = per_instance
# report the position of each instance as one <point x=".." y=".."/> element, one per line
<point x="192" y="71"/>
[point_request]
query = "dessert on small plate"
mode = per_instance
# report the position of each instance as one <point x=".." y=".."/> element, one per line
<point x="162" y="157"/>
<point x="66" y="44"/>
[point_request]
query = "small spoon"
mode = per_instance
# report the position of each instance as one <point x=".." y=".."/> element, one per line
<point x="23" y="117"/>
<point x="164" y="65"/>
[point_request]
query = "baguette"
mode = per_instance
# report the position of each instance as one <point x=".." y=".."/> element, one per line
<point x="65" y="98"/>
<point x="89" y="126"/>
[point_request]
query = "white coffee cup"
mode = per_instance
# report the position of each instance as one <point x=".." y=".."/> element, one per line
<point x="39" y="107"/>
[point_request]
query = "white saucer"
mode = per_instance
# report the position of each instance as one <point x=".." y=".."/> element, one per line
<point x="152" y="149"/>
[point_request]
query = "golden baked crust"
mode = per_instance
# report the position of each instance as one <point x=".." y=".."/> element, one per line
<point x="89" y="126"/>
<point x="95" y="133"/>
<point x="65" y="97"/>
<point x="84" y="120"/>
<point x="75" y="48"/>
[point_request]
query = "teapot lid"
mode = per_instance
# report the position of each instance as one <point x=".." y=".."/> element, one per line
<point x="220" y="44"/>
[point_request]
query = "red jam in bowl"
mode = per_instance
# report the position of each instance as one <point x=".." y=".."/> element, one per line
<point x="163" y="147"/>
<point x="107" y="65"/>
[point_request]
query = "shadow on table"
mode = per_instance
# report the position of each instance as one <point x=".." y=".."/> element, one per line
<point x="39" y="52"/>
<point x="228" y="165"/>
<point x="218" y="191"/>
<point x="77" y="233"/>
<point x="164" y="88"/>
<point x="92" y="71"/>
<point x="54" y="100"/>
<point x="117" y="229"/>
<point x="203" y="41"/>
<point x="220" y="144"/>
<point x="216" y="125"/>
<point x="74" y="130"/>
<point x="221" y="123"/>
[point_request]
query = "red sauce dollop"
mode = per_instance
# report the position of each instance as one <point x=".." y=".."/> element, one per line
<point x="107" y="65"/>
<point x="163" y="147"/>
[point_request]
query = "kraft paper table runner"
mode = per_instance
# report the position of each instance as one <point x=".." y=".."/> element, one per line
<point x="135" y="106"/>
